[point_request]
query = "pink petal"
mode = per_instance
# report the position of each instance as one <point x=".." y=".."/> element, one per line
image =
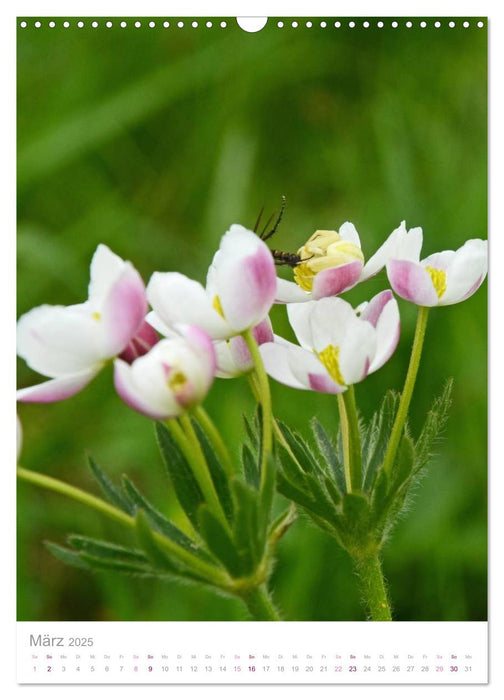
<point x="412" y="282"/>
<point x="388" y="329"/>
<point x="324" y="384"/>
<point x="373" y="310"/>
<point x="202" y="344"/>
<point x="55" y="389"/>
<point x="145" y="338"/>
<point x="336" y="280"/>
<point x="123" y="311"/>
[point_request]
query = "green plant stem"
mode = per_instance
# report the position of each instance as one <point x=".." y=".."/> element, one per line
<point x="409" y="385"/>
<point x="373" y="587"/>
<point x="212" y="574"/>
<point x="259" y="604"/>
<point x="189" y="444"/>
<point x="351" y="440"/>
<point x="263" y="387"/>
<point x="216" y="438"/>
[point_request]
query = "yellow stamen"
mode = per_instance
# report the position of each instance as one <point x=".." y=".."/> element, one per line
<point x="323" y="250"/>
<point x="96" y="316"/>
<point x="438" y="278"/>
<point x="217" y="305"/>
<point x="329" y="357"/>
<point x="177" y="381"/>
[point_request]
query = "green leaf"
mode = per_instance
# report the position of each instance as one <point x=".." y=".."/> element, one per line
<point x="266" y="496"/>
<point x="325" y="505"/>
<point x="376" y="438"/>
<point x="111" y="492"/>
<point x="380" y="495"/>
<point x="404" y="462"/>
<point x="250" y="467"/>
<point x="433" y="427"/>
<point x="247" y="531"/>
<point x="333" y="491"/>
<point x="253" y="435"/>
<point x="329" y="452"/>
<point x="67" y="556"/>
<point x="184" y="482"/>
<point x="356" y="517"/>
<point x="282" y="523"/>
<point x="290" y="466"/>
<point x="299" y="449"/>
<point x="219" y="542"/>
<point x="106" y="550"/>
<point x="217" y="471"/>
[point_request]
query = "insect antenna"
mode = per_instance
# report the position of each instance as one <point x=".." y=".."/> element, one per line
<point x="258" y="220"/>
<point x="264" y="236"/>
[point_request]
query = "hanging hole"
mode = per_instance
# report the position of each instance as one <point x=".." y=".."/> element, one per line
<point x="251" y="24"/>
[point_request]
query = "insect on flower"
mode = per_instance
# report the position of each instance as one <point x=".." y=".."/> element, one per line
<point x="279" y="256"/>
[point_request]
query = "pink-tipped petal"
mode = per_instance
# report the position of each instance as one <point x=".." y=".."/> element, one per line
<point x="388" y="328"/>
<point x="412" y="282"/>
<point x="55" y="389"/>
<point x="356" y="351"/>
<point x="400" y="245"/>
<point x="324" y="384"/>
<point x="373" y="310"/>
<point x="105" y="269"/>
<point x="202" y="344"/>
<point x="466" y="272"/>
<point x="263" y="332"/>
<point x="145" y="338"/>
<point x="123" y="311"/>
<point x="150" y="404"/>
<point x="336" y="280"/>
<point x="275" y="357"/>
<point x="247" y="287"/>
<point x="290" y="293"/>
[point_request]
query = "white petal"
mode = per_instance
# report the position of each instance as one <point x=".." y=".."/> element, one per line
<point x="348" y="232"/>
<point x="177" y="299"/>
<point x="276" y="357"/>
<point x="300" y="321"/>
<point x="465" y="272"/>
<point x="289" y="292"/>
<point x="330" y="320"/>
<point x="106" y="267"/>
<point x="357" y="351"/>
<point x="59" y="340"/>
<point x="400" y="245"/>
<point x="387" y="334"/>
<point x="56" y="389"/>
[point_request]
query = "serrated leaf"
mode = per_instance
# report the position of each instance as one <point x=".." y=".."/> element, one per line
<point x="333" y="491"/>
<point x="329" y="452"/>
<point x="434" y="425"/>
<point x="325" y="506"/>
<point x="65" y="555"/>
<point x="291" y="468"/>
<point x="219" y="542"/>
<point x="152" y="549"/>
<point x="252" y="435"/>
<point x="404" y="462"/>
<point x="247" y="531"/>
<point x="376" y="438"/>
<point x="217" y="471"/>
<point x="123" y="567"/>
<point x="299" y="449"/>
<point x="356" y="516"/>
<point x="184" y="482"/>
<point x="250" y="467"/>
<point x="111" y="492"/>
<point x="379" y="497"/>
<point x="266" y="495"/>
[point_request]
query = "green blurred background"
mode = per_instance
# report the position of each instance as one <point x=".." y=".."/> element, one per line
<point x="154" y="141"/>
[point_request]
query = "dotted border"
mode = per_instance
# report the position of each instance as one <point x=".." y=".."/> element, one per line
<point x="221" y="23"/>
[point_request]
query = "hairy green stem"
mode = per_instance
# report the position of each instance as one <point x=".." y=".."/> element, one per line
<point x="409" y="385"/>
<point x="48" y="482"/>
<point x="191" y="447"/>
<point x="351" y="440"/>
<point x="259" y="604"/>
<point x="216" y="439"/>
<point x="263" y="387"/>
<point x="373" y="587"/>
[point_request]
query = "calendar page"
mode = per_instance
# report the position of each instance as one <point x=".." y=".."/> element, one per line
<point x="252" y="342"/>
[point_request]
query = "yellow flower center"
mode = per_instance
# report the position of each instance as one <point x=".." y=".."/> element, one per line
<point x="217" y="305"/>
<point x="177" y="381"/>
<point x="96" y="316"/>
<point x="438" y="278"/>
<point x="329" y="357"/>
<point x="323" y="250"/>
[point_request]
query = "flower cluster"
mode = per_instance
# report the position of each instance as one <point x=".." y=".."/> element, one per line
<point x="203" y="326"/>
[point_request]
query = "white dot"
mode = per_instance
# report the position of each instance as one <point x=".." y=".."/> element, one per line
<point x="279" y="25"/>
<point x="108" y="24"/>
<point x="80" y="24"/>
<point x="337" y="25"/>
<point x="380" y="24"/>
<point x="437" y="24"/>
<point x="309" y="24"/>
<point x="409" y="24"/>
<point x="180" y="24"/>
<point x="123" y="24"/>
<point x="351" y="25"/>
<point x="466" y="24"/>
<point x="194" y="24"/>
<point x="423" y="24"/>
<point x="66" y="24"/>
<point x="37" y="24"/>
<point x="480" y="24"/>
<point x="323" y="25"/>
<point x="52" y="24"/>
<point x="209" y="24"/>
<point x="451" y="24"/>
<point x="94" y="24"/>
<point x="138" y="24"/>
<point x="223" y="25"/>
<point x="365" y="25"/>
<point x="294" y="24"/>
<point x="395" y="25"/>
<point x="166" y="24"/>
<point x="152" y="24"/>
<point x="22" y="25"/>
